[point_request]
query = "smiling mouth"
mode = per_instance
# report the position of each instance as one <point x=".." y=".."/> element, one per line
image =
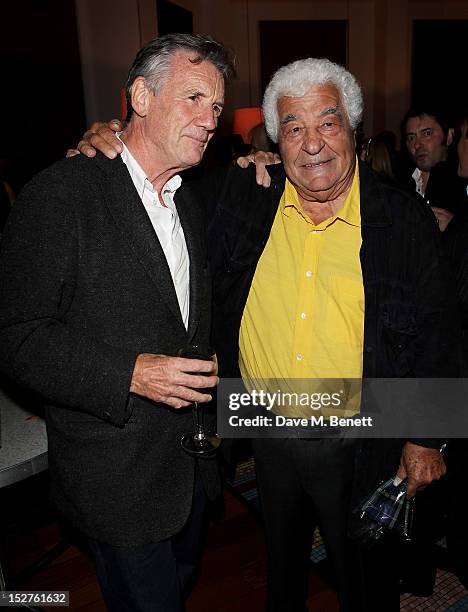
<point x="316" y="164"/>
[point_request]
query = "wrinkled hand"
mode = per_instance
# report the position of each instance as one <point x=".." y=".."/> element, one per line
<point x="261" y="159"/>
<point x="421" y="466"/>
<point x="101" y="136"/>
<point x="173" y="380"/>
<point x="443" y="217"/>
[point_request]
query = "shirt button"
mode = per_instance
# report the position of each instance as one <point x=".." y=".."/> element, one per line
<point x="303" y="315"/>
<point x="308" y="273"/>
<point x="299" y="357"/>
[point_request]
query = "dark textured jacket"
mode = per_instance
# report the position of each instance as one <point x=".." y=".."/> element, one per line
<point x="409" y="326"/>
<point x="84" y="289"/>
<point x="444" y="189"/>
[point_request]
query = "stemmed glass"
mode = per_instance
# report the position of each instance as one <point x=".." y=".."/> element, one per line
<point x="200" y="443"/>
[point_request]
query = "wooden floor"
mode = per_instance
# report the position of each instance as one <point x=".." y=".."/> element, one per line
<point x="232" y="575"/>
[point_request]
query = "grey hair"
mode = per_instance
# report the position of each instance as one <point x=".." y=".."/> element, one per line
<point x="297" y="78"/>
<point x="154" y="60"/>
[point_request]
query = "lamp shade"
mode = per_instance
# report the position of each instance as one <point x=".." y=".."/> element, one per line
<point x="245" y="119"/>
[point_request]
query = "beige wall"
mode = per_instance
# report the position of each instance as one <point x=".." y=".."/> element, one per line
<point x="379" y="46"/>
<point x="110" y="32"/>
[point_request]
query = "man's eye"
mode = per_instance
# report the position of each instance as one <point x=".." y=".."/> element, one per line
<point x="427" y="133"/>
<point x="295" y="130"/>
<point x="330" y="126"/>
<point x="409" y="138"/>
<point x="193" y="97"/>
<point x="217" y="110"/>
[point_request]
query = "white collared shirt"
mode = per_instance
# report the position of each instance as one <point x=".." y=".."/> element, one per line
<point x="166" y="223"/>
<point x="417" y="176"/>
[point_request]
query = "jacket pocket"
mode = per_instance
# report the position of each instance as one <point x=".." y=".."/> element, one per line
<point x="400" y="331"/>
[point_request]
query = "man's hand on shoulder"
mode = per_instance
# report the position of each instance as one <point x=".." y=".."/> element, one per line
<point x="173" y="380"/>
<point x="100" y="137"/>
<point x="261" y="159"/>
<point x="421" y="466"/>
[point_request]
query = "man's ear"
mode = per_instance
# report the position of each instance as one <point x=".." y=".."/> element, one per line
<point x="140" y="96"/>
<point x="450" y="136"/>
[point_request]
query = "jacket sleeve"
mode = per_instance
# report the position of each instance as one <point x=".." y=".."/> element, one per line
<point x="40" y="346"/>
<point x="438" y="350"/>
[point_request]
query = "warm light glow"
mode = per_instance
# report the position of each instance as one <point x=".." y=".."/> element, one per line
<point x="245" y="119"/>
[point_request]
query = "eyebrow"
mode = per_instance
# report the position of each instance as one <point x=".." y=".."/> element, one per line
<point x="197" y="92"/>
<point x="288" y="118"/>
<point x="423" y="129"/>
<point x="333" y="110"/>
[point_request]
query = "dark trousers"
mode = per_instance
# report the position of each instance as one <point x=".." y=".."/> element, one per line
<point x="302" y="484"/>
<point x="154" y="577"/>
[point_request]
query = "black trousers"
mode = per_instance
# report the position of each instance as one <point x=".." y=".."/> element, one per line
<point x="155" y="577"/>
<point x="302" y="484"/>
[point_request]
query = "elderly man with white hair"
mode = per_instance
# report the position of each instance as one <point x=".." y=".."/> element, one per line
<point x="327" y="273"/>
<point x="340" y="278"/>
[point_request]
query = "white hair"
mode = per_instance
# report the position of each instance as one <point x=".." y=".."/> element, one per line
<point x="297" y="78"/>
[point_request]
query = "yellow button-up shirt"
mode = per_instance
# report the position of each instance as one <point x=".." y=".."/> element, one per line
<point x="304" y="316"/>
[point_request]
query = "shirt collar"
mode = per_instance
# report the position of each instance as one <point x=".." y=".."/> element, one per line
<point x="349" y="212"/>
<point x="417" y="176"/>
<point x="173" y="184"/>
<point x="139" y="178"/>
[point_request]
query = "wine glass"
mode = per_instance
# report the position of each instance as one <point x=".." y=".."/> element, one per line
<point x="200" y="443"/>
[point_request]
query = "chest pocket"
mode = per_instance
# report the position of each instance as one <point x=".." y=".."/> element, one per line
<point x="344" y="312"/>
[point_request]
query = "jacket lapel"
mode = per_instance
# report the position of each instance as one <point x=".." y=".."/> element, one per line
<point x="130" y="216"/>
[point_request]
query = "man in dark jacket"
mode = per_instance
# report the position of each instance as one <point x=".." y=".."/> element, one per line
<point x="328" y="273"/>
<point x="103" y="280"/>
<point x="385" y="316"/>
<point x="429" y="135"/>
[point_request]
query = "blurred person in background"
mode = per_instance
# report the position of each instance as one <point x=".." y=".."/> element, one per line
<point x="377" y="155"/>
<point x="259" y="140"/>
<point x="428" y="135"/>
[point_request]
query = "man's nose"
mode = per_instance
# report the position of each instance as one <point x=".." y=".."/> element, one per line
<point x="207" y="119"/>
<point x="417" y="143"/>
<point x="313" y="142"/>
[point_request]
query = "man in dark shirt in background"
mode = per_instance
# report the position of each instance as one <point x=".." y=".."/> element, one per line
<point x="428" y="135"/>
